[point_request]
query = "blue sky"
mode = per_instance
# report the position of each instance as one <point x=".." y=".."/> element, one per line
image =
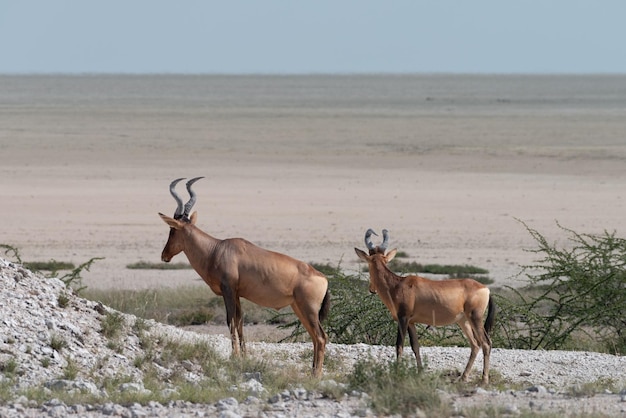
<point x="322" y="36"/>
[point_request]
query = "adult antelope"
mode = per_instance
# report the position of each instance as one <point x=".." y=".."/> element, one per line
<point x="235" y="268"/>
<point x="415" y="299"/>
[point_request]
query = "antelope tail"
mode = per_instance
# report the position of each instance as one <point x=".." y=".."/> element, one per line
<point x="325" y="308"/>
<point x="491" y="316"/>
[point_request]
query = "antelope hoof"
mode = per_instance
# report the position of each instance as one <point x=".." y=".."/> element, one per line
<point x="235" y="352"/>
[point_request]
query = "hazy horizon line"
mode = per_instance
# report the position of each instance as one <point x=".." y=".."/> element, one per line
<point x="312" y="73"/>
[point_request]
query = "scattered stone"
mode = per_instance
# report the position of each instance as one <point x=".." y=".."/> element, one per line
<point x="252" y="387"/>
<point x="228" y="403"/>
<point x="300" y="394"/>
<point x="538" y="389"/>
<point x="481" y="391"/>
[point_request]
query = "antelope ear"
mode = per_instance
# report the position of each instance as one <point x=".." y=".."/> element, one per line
<point x="173" y="223"/>
<point x="362" y="255"/>
<point x="391" y="254"/>
<point x="193" y="217"/>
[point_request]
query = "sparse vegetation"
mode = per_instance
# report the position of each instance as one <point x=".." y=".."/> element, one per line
<point x="9" y="249"/>
<point x="396" y="387"/>
<point x="63" y="300"/>
<point x="145" y="265"/>
<point x="450" y="270"/>
<point x="220" y="374"/>
<point x="9" y="367"/>
<point x="71" y="369"/>
<point x="57" y="342"/>
<point x="588" y="389"/>
<point x="74" y="279"/>
<point x="574" y="297"/>
<point x="52" y="266"/>
<point x="184" y="305"/>
<point x="112" y="324"/>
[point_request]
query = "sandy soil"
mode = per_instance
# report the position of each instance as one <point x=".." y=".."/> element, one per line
<point x="81" y="180"/>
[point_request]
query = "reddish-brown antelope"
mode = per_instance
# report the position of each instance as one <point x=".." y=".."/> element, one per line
<point x="235" y="268"/>
<point x="415" y="299"/>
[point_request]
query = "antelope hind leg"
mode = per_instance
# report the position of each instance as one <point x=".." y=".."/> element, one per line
<point x="469" y="334"/>
<point x="239" y="324"/>
<point x="319" y="338"/>
<point x="481" y="340"/>
<point x="486" y="344"/>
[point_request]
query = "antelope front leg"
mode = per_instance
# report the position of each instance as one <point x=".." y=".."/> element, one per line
<point x="415" y="345"/>
<point x="231" y="318"/>
<point x="403" y="323"/>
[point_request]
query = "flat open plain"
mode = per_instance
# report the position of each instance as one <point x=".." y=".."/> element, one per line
<point x="305" y="164"/>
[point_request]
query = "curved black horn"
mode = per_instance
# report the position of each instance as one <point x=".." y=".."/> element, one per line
<point x="368" y="239"/>
<point x="385" y="243"/>
<point x="192" y="194"/>
<point x="179" y="209"/>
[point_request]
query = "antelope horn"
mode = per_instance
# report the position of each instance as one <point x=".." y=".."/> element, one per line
<point x="368" y="239"/>
<point x="385" y="243"/>
<point x="192" y="194"/>
<point x="179" y="210"/>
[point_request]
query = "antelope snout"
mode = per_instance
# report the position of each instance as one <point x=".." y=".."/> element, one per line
<point x="165" y="258"/>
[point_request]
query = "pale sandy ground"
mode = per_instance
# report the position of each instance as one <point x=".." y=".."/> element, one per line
<point x="87" y="180"/>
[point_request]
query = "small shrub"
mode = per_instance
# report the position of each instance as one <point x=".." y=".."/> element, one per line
<point x="326" y="269"/>
<point x="74" y="279"/>
<point x="396" y="387"/>
<point x="141" y="326"/>
<point x="11" y="249"/>
<point x="112" y="324"/>
<point x="197" y="316"/>
<point x="63" y="300"/>
<point x="589" y="389"/>
<point x="7" y="391"/>
<point x="57" y="342"/>
<point x="571" y="292"/>
<point x="71" y="369"/>
<point x="9" y="367"/>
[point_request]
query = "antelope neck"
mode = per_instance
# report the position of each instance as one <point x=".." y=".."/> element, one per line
<point x="197" y="245"/>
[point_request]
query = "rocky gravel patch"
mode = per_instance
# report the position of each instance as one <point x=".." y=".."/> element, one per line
<point x="45" y="330"/>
